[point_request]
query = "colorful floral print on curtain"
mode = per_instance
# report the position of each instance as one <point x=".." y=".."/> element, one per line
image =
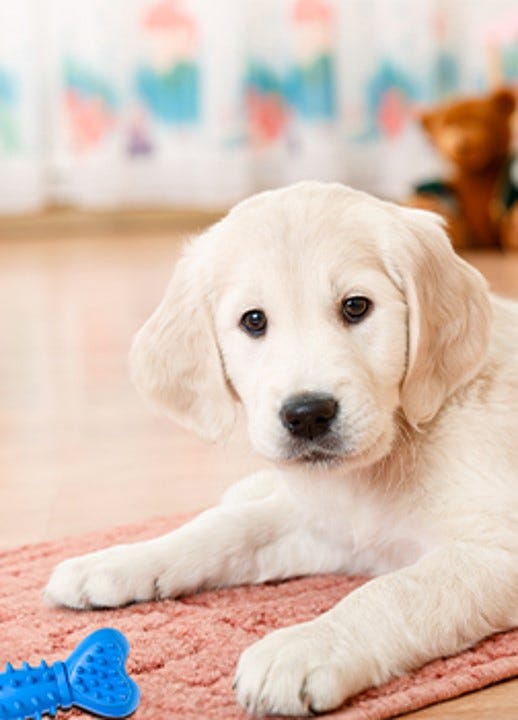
<point x="167" y="80"/>
<point x="91" y="104"/>
<point x="305" y="87"/>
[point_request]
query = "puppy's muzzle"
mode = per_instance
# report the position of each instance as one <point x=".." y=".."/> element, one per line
<point x="309" y="415"/>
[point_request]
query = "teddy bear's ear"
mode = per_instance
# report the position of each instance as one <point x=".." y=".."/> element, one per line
<point x="504" y="100"/>
<point x="427" y="120"/>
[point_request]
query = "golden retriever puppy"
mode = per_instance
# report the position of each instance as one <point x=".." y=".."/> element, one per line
<point x="381" y="378"/>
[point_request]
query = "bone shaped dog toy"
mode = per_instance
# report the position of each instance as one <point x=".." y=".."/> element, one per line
<point x="93" y="678"/>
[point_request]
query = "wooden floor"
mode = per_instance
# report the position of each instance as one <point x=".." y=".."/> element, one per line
<point x="78" y="449"/>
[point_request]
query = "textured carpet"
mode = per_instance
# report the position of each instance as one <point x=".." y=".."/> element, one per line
<point x="184" y="652"/>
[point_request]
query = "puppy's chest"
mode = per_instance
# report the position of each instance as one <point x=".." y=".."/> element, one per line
<point x="375" y="533"/>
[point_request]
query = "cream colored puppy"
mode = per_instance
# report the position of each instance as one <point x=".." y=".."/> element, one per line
<point x="380" y="377"/>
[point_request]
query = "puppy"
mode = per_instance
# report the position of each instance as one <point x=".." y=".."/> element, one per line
<point x="381" y="378"/>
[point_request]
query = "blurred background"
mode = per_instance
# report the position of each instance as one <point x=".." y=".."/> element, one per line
<point x="195" y="103"/>
<point x="126" y="126"/>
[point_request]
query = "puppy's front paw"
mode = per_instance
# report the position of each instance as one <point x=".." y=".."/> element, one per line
<point x="109" y="578"/>
<point x="294" y="671"/>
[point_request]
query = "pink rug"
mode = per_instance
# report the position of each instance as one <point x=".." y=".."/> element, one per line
<point x="184" y="652"/>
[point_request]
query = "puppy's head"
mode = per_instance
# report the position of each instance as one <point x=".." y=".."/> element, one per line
<point x="326" y="313"/>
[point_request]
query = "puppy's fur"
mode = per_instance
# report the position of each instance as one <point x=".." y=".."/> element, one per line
<point x="416" y="479"/>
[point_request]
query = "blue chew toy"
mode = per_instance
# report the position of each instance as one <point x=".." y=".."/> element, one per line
<point x="93" y="678"/>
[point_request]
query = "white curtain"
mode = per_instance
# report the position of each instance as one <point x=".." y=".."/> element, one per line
<point x="200" y="102"/>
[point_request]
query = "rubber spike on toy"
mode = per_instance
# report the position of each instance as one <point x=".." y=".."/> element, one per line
<point x="94" y="679"/>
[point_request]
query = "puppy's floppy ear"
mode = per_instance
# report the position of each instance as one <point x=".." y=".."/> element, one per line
<point x="175" y="360"/>
<point x="449" y="314"/>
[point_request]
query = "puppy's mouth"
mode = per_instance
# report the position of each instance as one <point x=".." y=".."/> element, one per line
<point x="315" y="454"/>
<point x="333" y="452"/>
<point x="318" y="457"/>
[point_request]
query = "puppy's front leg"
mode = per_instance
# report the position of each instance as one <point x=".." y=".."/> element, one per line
<point x="447" y="601"/>
<point x="250" y="537"/>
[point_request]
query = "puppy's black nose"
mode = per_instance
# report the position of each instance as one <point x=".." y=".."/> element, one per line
<point x="308" y="415"/>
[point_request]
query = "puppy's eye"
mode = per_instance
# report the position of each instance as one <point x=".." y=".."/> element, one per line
<point x="354" y="309"/>
<point x="254" y="322"/>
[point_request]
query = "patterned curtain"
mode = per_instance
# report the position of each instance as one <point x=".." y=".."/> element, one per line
<point x="198" y="102"/>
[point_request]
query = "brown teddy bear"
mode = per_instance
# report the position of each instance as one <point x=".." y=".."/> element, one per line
<point x="480" y="200"/>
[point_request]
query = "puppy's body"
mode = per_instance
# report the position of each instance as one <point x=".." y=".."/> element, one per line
<point x="412" y="475"/>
